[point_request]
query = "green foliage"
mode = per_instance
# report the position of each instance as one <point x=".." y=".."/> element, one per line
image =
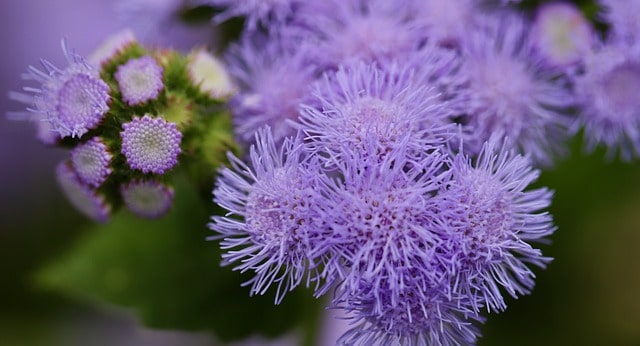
<point x="171" y="276"/>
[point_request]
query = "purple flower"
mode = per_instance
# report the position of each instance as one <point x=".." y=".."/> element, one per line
<point x="140" y="80"/>
<point x="265" y="12"/>
<point x="151" y="144"/>
<point x="608" y="98"/>
<point x="73" y="100"/>
<point x="447" y="22"/>
<point x="44" y="131"/>
<point x="147" y="198"/>
<point x="487" y="223"/>
<point x="272" y="222"/>
<point x="511" y="93"/>
<point x="91" y="161"/>
<point x="81" y="196"/>
<point x="417" y="319"/>
<point x="341" y="32"/>
<point x="622" y="16"/>
<point x="392" y="108"/>
<point x="561" y="34"/>
<point x="273" y="82"/>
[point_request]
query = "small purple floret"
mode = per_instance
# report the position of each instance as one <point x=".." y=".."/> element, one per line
<point x="140" y="80"/>
<point x="151" y="145"/>
<point x="91" y="161"/>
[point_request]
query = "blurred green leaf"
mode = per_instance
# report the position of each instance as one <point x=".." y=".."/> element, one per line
<point x="170" y="275"/>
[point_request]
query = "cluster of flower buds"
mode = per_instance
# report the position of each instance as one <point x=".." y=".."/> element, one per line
<point x="130" y="116"/>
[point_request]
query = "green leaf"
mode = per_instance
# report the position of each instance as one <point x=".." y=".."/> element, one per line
<point x="170" y="275"/>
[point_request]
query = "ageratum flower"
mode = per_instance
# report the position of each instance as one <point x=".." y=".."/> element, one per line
<point x="561" y="34"/>
<point x="340" y="32"/>
<point x="622" y="16"/>
<point x="140" y="80"/>
<point x="511" y="92"/>
<point x="257" y="12"/>
<point x="488" y="222"/>
<point x="392" y="108"/>
<point x="273" y="82"/>
<point x="151" y="144"/>
<point x="73" y="100"/>
<point x="447" y="22"/>
<point x="272" y="223"/>
<point x="209" y="75"/>
<point x="147" y="198"/>
<point x="92" y="161"/>
<point x="81" y="196"/>
<point x="44" y="132"/>
<point x="111" y="46"/>
<point x="607" y="94"/>
<point x="393" y="283"/>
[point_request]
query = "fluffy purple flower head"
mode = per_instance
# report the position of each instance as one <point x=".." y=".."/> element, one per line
<point x="140" y="80"/>
<point x="340" y="32"/>
<point x="73" y="100"/>
<point x="257" y="12"/>
<point x="561" y="34"/>
<point x="150" y="144"/>
<point x="417" y="319"/>
<point x="272" y="222"/>
<point x="511" y="92"/>
<point x="273" y="82"/>
<point x="607" y="94"/>
<point x="379" y="227"/>
<point x="361" y="104"/>
<point x="92" y="161"/>
<point x="44" y="131"/>
<point x="488" y="221"/>
<point x="82" y="197"/>
<point x="147" y="198"/>
<point x="622" y="16"/>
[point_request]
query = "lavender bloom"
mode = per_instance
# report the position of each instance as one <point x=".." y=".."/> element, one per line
<point x="607" y="95"/>
<point x="393" y="108"/>
<point x="91" y="161"/>
<point x="273" y="82"/>
<point x="44" y="131"/>
<point x="392" y="277"/>
<point x="265" y="12"/>
<point x="73" y="100"/>
<point x="512" y="94"/>
<point x="418" y="319"/>
<point x="561" y="34"/>
<point x="151" y="144"/>
<point x="488" y="221"/>
<point x="272" y="223"/>
<point x="81" y="196"/>
<point x="340" y="32"/>
<point x="140" y="80"/>
<point x="147" y="198"/>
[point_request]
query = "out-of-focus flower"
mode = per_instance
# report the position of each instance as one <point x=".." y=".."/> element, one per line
<point x="607" y="93"/>
<point x="81" y="196"/>
<point x="111" y="46"/>
<point x="622" y="16"/>
<point x="151" y="144"/>
<point x="257" y="12"/>
<point x="140" y="80"/>
<point x="147" y="198"/>
<point x="210" y="75"/>
<point x="561" y="34"/>
<point x="273" y="81"/>
<point x="512" y="94"/>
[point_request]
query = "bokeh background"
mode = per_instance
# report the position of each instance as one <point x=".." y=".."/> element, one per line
<point x="589" y="295"/>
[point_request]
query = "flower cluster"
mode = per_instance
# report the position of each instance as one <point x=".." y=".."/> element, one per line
<point x="392" y="149"/>
<point x="129" y="116"/>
